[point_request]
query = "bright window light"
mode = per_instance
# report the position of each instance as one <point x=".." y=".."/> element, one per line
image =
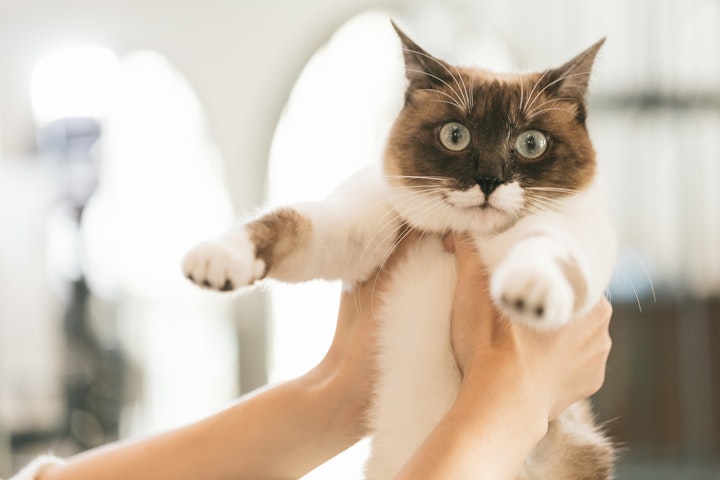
<point x="73" y="82"/>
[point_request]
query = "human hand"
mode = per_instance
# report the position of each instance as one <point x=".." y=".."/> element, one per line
<point x="554" y="368"/>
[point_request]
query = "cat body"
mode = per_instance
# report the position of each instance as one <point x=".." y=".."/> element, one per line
<point x="505" y="158"/>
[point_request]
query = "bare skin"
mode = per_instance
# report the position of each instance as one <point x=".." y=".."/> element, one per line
<point x="515" y="380"/>
<point x="285" y="431"/>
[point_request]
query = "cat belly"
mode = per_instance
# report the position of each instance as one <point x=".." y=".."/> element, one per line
<point x="418" y="374"/>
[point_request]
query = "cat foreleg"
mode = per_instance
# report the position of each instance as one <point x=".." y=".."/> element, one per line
<point x="246" y="253"/>
<point x="345" y="237"/>
<point x="539" y="283"/>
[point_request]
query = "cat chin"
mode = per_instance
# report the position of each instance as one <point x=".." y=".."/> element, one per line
<point x="480" y="221"/>
<point x="440" y="214"/>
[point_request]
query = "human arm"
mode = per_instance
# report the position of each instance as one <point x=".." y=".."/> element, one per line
<point x="281" y="432"/>
<point x="515" y="379"/>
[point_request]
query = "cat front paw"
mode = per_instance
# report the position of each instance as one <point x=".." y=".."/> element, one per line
<point x="533" y="291"/>
<point x="224" y="264"/>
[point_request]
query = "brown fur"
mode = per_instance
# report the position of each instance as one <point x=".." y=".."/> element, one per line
<point x="496" y="109"/>
<point x="572" y="449"/>
<point x="277" y="234"/>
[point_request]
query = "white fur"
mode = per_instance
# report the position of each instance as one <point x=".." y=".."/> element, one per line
<point x="419" y="377"/>
<point x="355" y="230"/>
<point x="230" y="257"/>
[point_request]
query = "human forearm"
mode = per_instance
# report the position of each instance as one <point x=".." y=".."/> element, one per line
<point x="487" y="433"/>
<point x="282" y="432"/>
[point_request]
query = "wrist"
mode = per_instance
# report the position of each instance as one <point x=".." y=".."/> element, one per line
<point x="342" y="402"/>
<point x="505" y="394"/>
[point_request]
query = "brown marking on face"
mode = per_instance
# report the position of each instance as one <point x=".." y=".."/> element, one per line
<point x="277" y="234"/>
<point x="495" y="109"/>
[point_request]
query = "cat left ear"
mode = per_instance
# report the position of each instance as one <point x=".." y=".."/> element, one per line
<point x="571" y="80"/>
<point x="421" y="69"/>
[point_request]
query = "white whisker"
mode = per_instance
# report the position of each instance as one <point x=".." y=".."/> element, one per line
<point x="553" y="189"/>
<point x="459" y="98"/>
<point x="564" y="77"/>
<point x="452" y="101"/>
<point x="528" y="102"/>
<point x="551" y="109"/>
<point x="538" y="107"/>
<point x="430" y="57"/>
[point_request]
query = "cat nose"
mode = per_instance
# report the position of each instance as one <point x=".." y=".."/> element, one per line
<point x="488" y="184"/>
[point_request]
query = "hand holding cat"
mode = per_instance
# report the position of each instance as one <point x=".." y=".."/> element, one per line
<point x="558" y="367"/>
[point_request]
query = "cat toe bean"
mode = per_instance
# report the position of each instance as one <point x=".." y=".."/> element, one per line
<point x="535" y="293"/>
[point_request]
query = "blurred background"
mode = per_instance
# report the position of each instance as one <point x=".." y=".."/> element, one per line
<point x="131" y="129"/>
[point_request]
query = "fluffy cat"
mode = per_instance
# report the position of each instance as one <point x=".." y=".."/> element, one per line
<point x="505" y="157"/>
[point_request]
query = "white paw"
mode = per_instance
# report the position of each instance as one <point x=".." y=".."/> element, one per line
<point x="224" y="264"/>
<point x="533" y="291"/>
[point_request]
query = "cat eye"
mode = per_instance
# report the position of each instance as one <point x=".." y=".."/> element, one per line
<point x="531" y="144"/>
<point x="454" y="136"/>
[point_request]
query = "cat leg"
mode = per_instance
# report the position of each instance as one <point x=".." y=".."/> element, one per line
<point x="246" y="254"/>
<point x="540" y="282"/>
<point x="573" y="449"/>
<point x="346" y="236"/>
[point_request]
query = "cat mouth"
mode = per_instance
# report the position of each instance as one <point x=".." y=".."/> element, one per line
<point x="506" y="200"/>
<point x="470" y="204"/>
<point x="484" y="207"/>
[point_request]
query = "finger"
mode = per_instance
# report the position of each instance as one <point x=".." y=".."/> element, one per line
<point x="470" y="267"/>
<point x="472" y="303"/>
<point x="449" y="242"/>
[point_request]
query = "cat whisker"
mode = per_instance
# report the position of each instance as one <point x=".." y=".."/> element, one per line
<point x="472" y="94"/>
<point x="540" y="203"/>
<point x="392" y="216"/>
<point x="445" y="101"/>
<point x="642" y="266"/>
<point x="460" y="103"/>
<point x="538" y="107"/>
<point x="632" y="287"/>
<point x="564" y="77"/>
<point x="455" y="79"/>
<point x="430" y="57"/>
<point x="549" y="110"/>
<point x="547" y="200"/>
<point x="553" y="189"/>
<point x="528" y="102"/>
<point x="463" y="85"/>
<point x="522" y="93"/>
<point x="404" y="230"/>
<point x="453" y="101"/>
<point x="420" y="177"/>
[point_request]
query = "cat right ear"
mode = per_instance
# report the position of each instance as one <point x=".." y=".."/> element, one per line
<point x="421" y="69"/>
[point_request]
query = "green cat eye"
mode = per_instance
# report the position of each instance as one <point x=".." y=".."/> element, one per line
<point x="531" y="144"/>
<point x="454" y="136"/>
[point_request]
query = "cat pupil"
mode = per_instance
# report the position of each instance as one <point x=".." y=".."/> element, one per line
<point x="531" y="143"/>
<point x="455" y="135"/>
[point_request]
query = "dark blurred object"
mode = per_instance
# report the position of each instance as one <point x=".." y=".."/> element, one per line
<point x="662" y="388"/>
<point x="66" y="145"/>
<point x="93" y="372"/>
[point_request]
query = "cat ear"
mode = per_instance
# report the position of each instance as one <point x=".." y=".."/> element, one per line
<point x="571" y="80"/>
<point x="421" y="69"/>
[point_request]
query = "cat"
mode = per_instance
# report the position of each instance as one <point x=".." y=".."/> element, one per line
<point x="504" y="157"/>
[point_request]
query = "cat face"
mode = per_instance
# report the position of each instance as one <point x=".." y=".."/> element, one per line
<point x="473" y="150"/>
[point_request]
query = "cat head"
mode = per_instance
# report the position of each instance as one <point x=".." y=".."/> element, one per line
<point x="474" y="150"/>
